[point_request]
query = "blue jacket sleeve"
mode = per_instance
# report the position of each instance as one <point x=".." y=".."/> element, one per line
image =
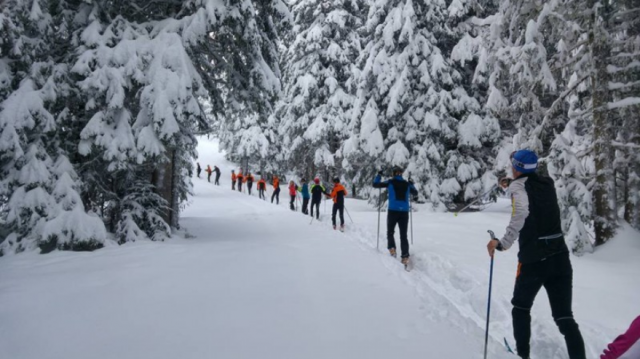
<point x="377" y="183"/>
<point x="413" y="189"/>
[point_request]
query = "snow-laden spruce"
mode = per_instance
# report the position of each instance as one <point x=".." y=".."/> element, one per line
<point x="314" y="111"/>
<point x="99" y="103"/>
<point x="412" y="109"/>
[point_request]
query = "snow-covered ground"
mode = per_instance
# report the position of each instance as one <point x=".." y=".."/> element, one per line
<point x="254" y="280"/>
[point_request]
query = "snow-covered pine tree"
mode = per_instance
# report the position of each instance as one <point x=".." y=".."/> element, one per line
<point x="237" y="59"/>
<point x="624" y="72"/>
<point x="601" y="47"/>
<point x="44" y="208"/>
<point x="318" y="96"/>
<point x="412" y="95"/>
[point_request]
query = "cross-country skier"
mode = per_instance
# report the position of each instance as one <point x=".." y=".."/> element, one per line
<point x="233" y="180"/>
<point x="239" y="178"/>
<point x="217" y="171"/>
<point x="262" y="186"/>
<point x="338" y="194"/>
<point x="292" y="193"/>
<point x="543" y="256"/>
<point x="304" y="190"/>
<point x="249" y="179"/>
<point x="398" y="190"/>
<point x="208" y="170"/>
<point x="316" y="196"/>
<point x="276" y="189"/>
<point x="198" y="169"/>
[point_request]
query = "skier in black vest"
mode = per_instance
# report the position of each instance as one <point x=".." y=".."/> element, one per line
<point x="217" y="171"/>
<point x="316" y="196"/>
<point x="543" y="256"/>
<point x="199" y="169"/>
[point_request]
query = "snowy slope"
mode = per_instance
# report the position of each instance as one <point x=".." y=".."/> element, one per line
<point x="255" y="280"/>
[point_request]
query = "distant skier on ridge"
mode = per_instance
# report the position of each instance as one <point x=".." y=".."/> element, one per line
<point x="543" y="256"/>
<point x="398" y="190"/>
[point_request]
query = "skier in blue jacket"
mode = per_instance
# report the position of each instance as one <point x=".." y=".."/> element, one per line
<point x="305" y="196"/>
<point x="398" y="190"/>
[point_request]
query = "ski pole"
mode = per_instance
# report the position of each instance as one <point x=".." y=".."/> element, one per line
<point x="325" y="206"/>
<point x="486" y="331"/>
<point x="345" y="209"/>
<point x="475" y="201"/>
<point x="379" y="205"/>
<point x="410" y="210"/>
<point x="411" y="218"/>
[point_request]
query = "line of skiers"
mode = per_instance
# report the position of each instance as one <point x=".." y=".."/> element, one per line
<point x="209" y="172"/>
<point x="535" y="222"/>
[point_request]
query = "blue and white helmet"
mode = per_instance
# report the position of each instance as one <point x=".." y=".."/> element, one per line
<point x="524" y="161"/>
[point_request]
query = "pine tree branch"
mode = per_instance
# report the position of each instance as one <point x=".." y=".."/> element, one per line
<point x="538" y="130"/>
<point x="622" y="85"/>
<point x="621" y="145"/>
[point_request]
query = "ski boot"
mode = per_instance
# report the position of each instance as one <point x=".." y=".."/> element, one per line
<point x="392" y="252"/>
<point x="334" y="227"/>
<point x="342" y="228"/>
<point x="405" y="262"/>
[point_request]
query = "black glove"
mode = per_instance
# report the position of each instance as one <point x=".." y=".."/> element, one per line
<point x="505" y="182"/>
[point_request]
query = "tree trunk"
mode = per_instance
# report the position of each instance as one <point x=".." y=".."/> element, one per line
<point x="632" y="212"/>
<point x="164" y="185"/>
<point x="604" y="219"/>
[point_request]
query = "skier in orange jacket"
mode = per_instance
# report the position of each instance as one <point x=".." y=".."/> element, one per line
<point x="249" y="180"/>
<point x="338" y="194"/>
<point x="209" y="170"/>
<point x="240" y="178"/>
<point x="276" y="190"/>
<point x="262" y="186"/>
<point x="233" y="180"/>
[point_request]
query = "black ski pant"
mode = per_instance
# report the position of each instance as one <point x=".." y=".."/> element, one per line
<point x="276" y="195"/>
<point x="261" y="194"/>
<point x="217" y="179"/>
<point x="337" y="207"/>
<point x="249" y="185"/>
<point x="233" y="185"/>
<point x="293" y="199"/>
<point x="556" y="276"/>
<point x="209" y="177"/>
<point x="305" y="205"/>
<point x="402" y="220"/>
<point x="239" y="186"/>
<point x="199" y="173"/>
<point x="315" y="204"/>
